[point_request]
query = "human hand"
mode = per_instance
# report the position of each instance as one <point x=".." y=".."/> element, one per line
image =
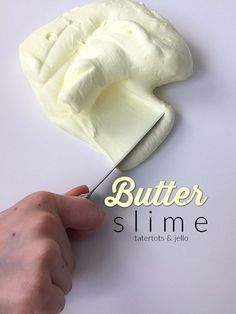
<point x="36" y="260"/>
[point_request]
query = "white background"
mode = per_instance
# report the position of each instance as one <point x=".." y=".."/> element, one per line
<point x="114" y="273"/>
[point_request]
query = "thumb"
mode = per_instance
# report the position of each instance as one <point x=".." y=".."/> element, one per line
<point x="78" y="213"/>
<point x="82" y="189"/>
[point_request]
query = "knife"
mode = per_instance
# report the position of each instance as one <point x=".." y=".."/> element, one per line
<point x="156" y="120"/>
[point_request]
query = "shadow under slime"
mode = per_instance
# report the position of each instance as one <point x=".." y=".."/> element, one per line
<point x="101" y="263"/>
<point x="199" y="66"/>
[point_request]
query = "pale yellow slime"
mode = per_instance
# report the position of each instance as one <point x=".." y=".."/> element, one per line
<point x="94" y="70"/>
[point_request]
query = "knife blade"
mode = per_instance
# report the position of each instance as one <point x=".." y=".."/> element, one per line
<point x="87" y="196"/>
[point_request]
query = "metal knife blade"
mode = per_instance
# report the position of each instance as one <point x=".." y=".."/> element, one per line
<point x="125" y="155"/>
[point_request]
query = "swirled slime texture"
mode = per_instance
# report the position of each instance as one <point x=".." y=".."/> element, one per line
<point x="94" y="69"/>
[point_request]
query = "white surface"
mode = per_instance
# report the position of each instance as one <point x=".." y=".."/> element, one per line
<point x="115" y="274"/>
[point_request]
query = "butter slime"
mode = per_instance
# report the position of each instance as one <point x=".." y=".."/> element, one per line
<point x="94" y="69"/>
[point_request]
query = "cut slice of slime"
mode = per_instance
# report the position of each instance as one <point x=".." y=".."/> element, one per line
<point x="121" y="119"/>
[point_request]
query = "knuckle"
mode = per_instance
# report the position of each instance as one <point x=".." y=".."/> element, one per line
<point x="56" y="305"/>
<point x="41" y="197"/>
<point x="49" y="251"/>
<point x="40" y="288"/>
<point x="61" y="302"/>
<point x="44" y="223"/>
<point x="62" y="305"/>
